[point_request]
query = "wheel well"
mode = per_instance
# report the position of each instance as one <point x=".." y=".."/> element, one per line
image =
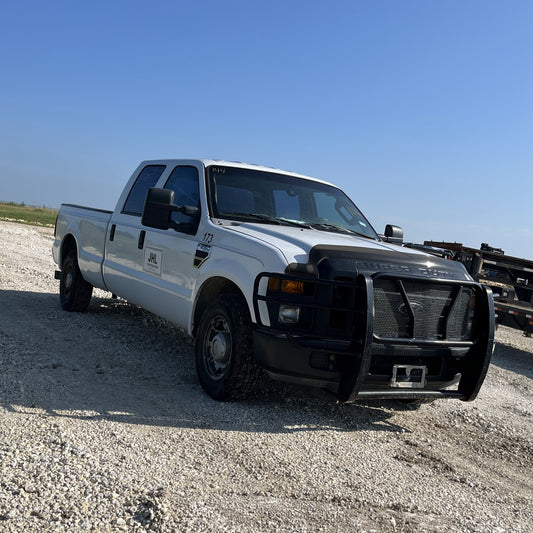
<point x="209" y="291"/>
<point x="69" y="243"/>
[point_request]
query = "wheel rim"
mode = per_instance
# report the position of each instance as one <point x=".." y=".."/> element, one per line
<point x="68" y="280"/>
<point x="217" y="347"/>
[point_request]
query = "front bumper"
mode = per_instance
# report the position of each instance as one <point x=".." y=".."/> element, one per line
<point x="354" y="342"/>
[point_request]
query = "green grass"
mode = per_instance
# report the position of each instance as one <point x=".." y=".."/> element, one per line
<point x="35" y="216"/>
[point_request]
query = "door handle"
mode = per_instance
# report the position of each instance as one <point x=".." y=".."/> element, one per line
<point x="140" y="243"/>
<point x="112" y="232"/>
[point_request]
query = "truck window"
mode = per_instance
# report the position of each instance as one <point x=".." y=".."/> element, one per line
<point x="246" y="195"/>
<point x="234" y="199"/>
<point x="287" y="204"/>
<point x="184" y="182"/>
<point x="147" y="178"/>
<point x="338" y="210"/>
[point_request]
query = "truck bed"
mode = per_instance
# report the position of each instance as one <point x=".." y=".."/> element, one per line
<point x="88" y="227"/>
<point x="76" y="206"/>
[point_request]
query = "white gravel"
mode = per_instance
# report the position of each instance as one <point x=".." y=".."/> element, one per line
<point x="103" y="427"/>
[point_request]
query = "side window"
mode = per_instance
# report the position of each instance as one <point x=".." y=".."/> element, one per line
<point x="184" y="182"/>
<point x="146" y="179"/>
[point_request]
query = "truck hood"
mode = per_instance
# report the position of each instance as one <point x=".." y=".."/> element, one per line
<point x="296" y="243"/>
<point x="300" y="245"/>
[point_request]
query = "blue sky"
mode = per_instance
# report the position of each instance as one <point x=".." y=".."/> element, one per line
<point x="422" y="111"/>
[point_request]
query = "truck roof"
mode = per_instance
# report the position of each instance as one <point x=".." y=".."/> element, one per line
<point x="235" y="164"/>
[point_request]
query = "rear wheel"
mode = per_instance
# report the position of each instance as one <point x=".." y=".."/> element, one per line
<point x="224" y="350"/>
<point x="74" y="292"/>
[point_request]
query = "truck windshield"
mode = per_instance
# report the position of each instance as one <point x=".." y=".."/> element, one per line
<point x="271" y="198"/>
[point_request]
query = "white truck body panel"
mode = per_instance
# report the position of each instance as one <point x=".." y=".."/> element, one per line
<point x="88" y="226"/>
<point x="295" y="243"/>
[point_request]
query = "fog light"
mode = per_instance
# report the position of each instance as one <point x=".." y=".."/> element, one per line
<point x="288" y="314"/>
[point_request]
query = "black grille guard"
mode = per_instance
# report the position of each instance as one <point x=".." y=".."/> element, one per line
<point x="360" y="341"/>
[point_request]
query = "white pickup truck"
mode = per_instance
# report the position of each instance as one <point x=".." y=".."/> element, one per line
<point x="278" y="272"/>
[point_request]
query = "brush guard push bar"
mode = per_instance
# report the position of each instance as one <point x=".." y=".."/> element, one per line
<point x="376" y="336"/>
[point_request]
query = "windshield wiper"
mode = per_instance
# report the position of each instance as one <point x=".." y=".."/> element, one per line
<point x="295" y="223"/>
<point x="269" y="219"/>
<point x="340" y="229"/>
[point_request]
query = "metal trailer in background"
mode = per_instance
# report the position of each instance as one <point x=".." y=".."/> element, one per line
<point x="511" y="278"/>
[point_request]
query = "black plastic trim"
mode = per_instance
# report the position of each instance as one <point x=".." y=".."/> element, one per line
<point x="287" y="351"/>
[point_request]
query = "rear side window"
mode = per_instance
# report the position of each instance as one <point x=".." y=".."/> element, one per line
<point x="146" y="179"/>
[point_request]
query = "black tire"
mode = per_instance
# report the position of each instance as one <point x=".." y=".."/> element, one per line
<point x="224" y="350"/>
<point x="74" y="292"/>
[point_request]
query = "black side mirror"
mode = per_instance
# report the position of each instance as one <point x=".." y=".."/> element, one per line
<point x="188" y="210"/>
<point x="393" y="234"/>
<point x="159" y="206"/>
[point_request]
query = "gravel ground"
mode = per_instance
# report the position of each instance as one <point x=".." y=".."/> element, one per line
<point x="105" y="428"/>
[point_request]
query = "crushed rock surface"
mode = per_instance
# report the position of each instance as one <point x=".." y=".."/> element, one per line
<point x="104" y="428"/>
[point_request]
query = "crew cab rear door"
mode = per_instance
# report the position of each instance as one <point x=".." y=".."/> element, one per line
<point x="124" y="250"/>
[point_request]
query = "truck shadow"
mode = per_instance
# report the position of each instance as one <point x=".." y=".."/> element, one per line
<point x="120" y="363"/>
<point x="514" y="359"/>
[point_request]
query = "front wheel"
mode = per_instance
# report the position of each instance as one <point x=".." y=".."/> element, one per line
<point x="224" y="350"/>
<point x="74" y="292"/>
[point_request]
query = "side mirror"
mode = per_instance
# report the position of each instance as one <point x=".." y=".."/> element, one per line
<point x="393" y="234"/>
<point x="189" y="210"/>
<point x="158" y="208"/>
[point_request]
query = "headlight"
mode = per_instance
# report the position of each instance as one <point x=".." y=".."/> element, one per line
<point x="288" y="314"/>
<point x="287" y="300"/>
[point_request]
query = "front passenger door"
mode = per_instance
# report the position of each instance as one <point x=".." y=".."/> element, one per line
<point x="169" y="254"/>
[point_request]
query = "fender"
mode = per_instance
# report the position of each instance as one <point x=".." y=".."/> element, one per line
<point x="241" y="273"/>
